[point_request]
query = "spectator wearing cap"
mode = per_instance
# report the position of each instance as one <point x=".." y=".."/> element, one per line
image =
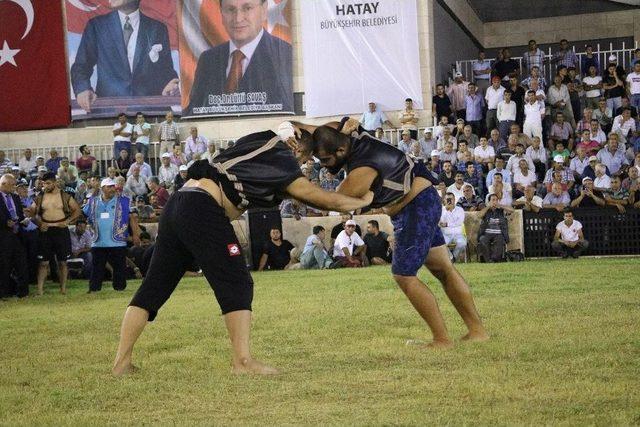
<point x="427" y="143"/>
<point x="167" y="172"/>
<point x="569" y="239"/>
<point x="195" y="144"/>
<point x="613" y="85"/>
<point x="136" y="183"/>
<point x="441" y="104"/>
<point x="349" y="249"/>
<point x="409" y="118"/>
<point x="146" y="213"/>
<point x="81" y="240"/>
<point x="211" y="153"/>
<point x="405" y="143"/>
<point x="458" y="129"/>
<point x="181" y="178"/>
<point x="458" y="92"/>
<point x="143" y="167"/>
<point x="27" y="161"/>
<point x="373" y="119"/>
<point x="557" y="198"/>
<point x="434" y="163"/>
<point x="494" y="95"/>
<point x="563" y="174"/>
<point x="588" y="197"/>
<point x="111" y="216"/>
<point x="156" y="190"/>
<point x="612" y="157"/>
<point x="474" y="106"/>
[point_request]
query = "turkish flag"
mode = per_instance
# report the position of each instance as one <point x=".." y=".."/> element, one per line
<point x="33" y="69"/>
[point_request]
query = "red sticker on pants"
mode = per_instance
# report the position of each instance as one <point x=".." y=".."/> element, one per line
<point x="234" y="249"/>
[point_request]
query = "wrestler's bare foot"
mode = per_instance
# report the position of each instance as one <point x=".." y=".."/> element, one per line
<point x="433" y="345"/>
<point x="63" y="291"/>
<point x="252" y="366"/>
<point x="479" y="336"/>
<point x="124" y="368"/>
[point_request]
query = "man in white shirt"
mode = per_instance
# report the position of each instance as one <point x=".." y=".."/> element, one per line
<point x="484" y="154"/>
<point x="452" y="223"/>
<point x="122" y="131"/>
<point x="506" y="113"/>
<point x="592" y="83"/>
<point x="195" y="145"/>
<point x="27" y="162"/>
<point x="624" y="125"/>
<point x="212" y="152"/>
<point x="145" y="168"/>
<point x="529" y="201"/>
<point x="373" y="119"/>
<point x="405" y="143"/>
<point x="457" y="188"/>
<point x="167" y="172"/>
<point x="444" y="138"/>
<point x="349" y="246"/>
<point x="633" y="85"/>
<point x="522" y="178"/>
<point x="513" y="165"/>
<point x="136" y="184"/>
<point x="602" y="181"/>
<point x="493" y="96"/>
<point x="533" y="114"/>
<point x="538" y="154"/>
<point x="569" y="239"/>
<point x="141" y="132"/>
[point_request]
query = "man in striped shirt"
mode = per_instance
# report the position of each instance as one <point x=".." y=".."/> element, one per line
<point x="169" y="133"/>
<point x="533" y="57"/>
<point x="566" y="56"/>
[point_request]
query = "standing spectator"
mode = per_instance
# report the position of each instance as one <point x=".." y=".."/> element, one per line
<point x="314" y="254"/>
<point x="529" y="201"/>
<point x="613" y="86"/>
<point x="155" y="189"/>
<point x="559" y="99"/>
<point x="565" y="56"/>
<point x="569" y="239"/>
<point x="589" y="197"/>
<point x="181" y="178"/>
<point x="533" y="57"/>
<point x="177" y="157"/>
<point x="68" y="173"/>
<point x="86" y="162"/>
<point x="212" y="152"/>
<point x="141" y="133"/>
<point x="349" y="249"/>
<point x="612" y="157"/>
<point x="143" y="167"/>
<point x="276" y="254"/>
<point x="373" y="119"/>
<point x="441" y="104"/>
<point x="4" y="161"/>
<point x="592" y="83"/>
<point x="452" y="224"/>
<point x="14" y="256"/>
<point x="54" y="210"/>
<point x="557" y="198"/>
<point x="169" y="133"/>
<point x="481" y="73"/>
<point x="493" y="235"/>
<point x="534" y="112"/>
<point x="122" y="131"/>
<point x="473" y="177"/>
<point x="517" y="96"/>
<point x="484" y="154"/>
<point x="53" y="164"/>
<point x="29" y="233"/>
<point x="506" y="114"/>
<point x="589" y="60"/>
<point x="378" y="244"/>
<point x="633" y="83"/>
<point x="81" y="239"/>
<point x="457" y="93"/>
<point x="494" y="95"/>
<point x="474" y="106"/>
<point x="469" y="201"/>
<point x="111" y="216"/>
<point x="136" y="184"/>
<point x="409" y="118"/>
<point x="123" y="163"/>
<point x="27" y="161"/>
<point x="507" y="67"/>
<point x="167" y="172"/>
<point x="195" y="144"/>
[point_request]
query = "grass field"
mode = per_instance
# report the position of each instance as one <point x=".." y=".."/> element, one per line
<point x="565" y="349"/>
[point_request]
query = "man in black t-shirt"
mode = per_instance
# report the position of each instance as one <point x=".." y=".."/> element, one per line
<point x="276" y="253"/>
<point x="378" y="244"/>
<point x="441" y="104"/>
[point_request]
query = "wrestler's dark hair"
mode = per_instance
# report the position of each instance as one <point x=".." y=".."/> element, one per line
<point x="329" y="139"/>
<point x="306" y="142"/>
<point x="49" y="176"/>
<point x="202" y="169"/>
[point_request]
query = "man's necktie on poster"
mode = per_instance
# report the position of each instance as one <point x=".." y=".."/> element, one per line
<point x="127" y="32"/>
<point x="235" y="74"/>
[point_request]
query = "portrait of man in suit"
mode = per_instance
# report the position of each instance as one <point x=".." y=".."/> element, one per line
<point x="252" y="61"/>
<point x="131" y="52"/>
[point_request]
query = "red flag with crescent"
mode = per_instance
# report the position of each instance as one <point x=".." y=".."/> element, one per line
<point x="35" y="90"/>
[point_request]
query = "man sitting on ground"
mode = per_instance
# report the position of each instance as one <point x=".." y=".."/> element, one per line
<point x="314" y="254"/>
<point x="276" y="254"/>
<point x="378" y="244"/>
<point x="569" y="239"/>
<point x="349" y="249"/>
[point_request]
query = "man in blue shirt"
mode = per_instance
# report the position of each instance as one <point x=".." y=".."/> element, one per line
<point x="111" y="217"/>
<point x="314" y="254"/>
<point x="474" y="105"/>
<point x="373" y="119"/>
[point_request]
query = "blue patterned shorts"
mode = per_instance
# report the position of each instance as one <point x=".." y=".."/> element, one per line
<point x="416" y="231"/>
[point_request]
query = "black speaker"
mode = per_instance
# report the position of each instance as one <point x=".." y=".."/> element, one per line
<point x="260" y="223"/>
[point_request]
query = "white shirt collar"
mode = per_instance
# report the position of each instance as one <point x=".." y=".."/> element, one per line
<point x="134" y="18"/>
<point x="249" y="48"/>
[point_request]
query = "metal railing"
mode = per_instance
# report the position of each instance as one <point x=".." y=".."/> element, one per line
<point x="624" y="55"/>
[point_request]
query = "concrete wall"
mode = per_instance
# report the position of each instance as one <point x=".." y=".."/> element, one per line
<point x="233" y="128"/>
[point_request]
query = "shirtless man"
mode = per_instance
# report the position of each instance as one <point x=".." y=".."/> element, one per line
<point x="53" y="211"/>
<point x="405" y="190"/>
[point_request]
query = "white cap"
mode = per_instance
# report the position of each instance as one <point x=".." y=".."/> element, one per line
<point x="166" y="155"/>
<point x="39" y="157"/>
<point x="558" y="159"/>
<point x="613" y="58"/>
<point x="586" y="178"/>
<point x="286" y="131"/>
<point x="457" y="74"/>
<point x="15" y="168"/>
<point x="42" y="169"/>
<point x="435" y="153"/>
<point x="183" y="168"/>
<point x="593" y="159"/>
<point x="107" y="182"/>
<point x="350" y="222"/>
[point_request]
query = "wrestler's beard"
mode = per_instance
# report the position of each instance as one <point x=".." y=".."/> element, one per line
<point x="335" y="169"/>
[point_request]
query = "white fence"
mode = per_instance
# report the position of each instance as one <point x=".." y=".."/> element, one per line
<point x="624" y="56"/>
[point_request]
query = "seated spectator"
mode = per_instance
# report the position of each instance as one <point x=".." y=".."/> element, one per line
<point x="566" y="176"/>
<point x="561" y="151"/>
<point x="177" y="158"/>
<point x="633" y="179"/>
<point x="434" y="164"/>
<point x="381" y="136"/>
<point x="122" y="163"/>
<point x="136" y="184"/>
<point x="415" y="152"/>
<point x="446" y="137"/>
<point x="144" y="167"/>
<point x="276" y="254"/>
<point x="86" y="162"/>
<point x="469" y="137"/>
<point x="458" y="129"/>
<point x="569" y="239"/>
<point x="68" y="173"/>
<point x="556" y="199"/>
<point x="588" y="197"/>
<point x="27" y="161"/>
<point x="499" y="169"/>
<point x="495" y="140"/>
<point x="493" y="235"/>
<point x="378" y="244"/>
<point x="329" y="182"/>
<point x="341" y="226"/>
<point x="181" y="178"/>
<point x="617" y="196"/>
<point x="195" y="145"/>
<point x="211" y="153"/>
<point x="146" y="213"/>
<point x="314" y="254"/>
<point x="502" y="194"/>
<point x="579" y="162"/>
<point x="522" y="179"/>
<point x="447" y="176"/>
<point x="589" y="146"/>
<point x="590" y="169"/>
<point x="291" y="208"/>
<point x="153" y="202"/>
<point x="469" y="201"/>
<point x="405" y="143"/>
<point x="155" y="189"/>
<point x="624" y="126"/>
<point x="473" y="177"/>
<point x="513" y="165"/>
<point x="167" y="172"/>
<point x="529" y="201"/>
<point x="438" y="130"/>
<point x="349" y="250"/>
<point x="81" y="240"/>
<point x="585" y="122"/>
<point x="538" y="154"/>
<point x="457" y="186"/>
<point x="602" y="181"/>
<point x="448" y="154"/>
<point x="452" y="225"/>
<point x="561" y="131"/>
<point x="522" y="138"/>
<point x="603" y="115"/>
<point x="505" y="153"/>
<point x="462" y="152"/>
<point x="427" y="144"/>
<point x="485" y="154"/>
<point x="626" y="103"/>
<point x="596" y="134"/>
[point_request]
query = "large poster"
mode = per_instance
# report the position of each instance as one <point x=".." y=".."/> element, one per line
<point x="33" y="71"/>
<point x="359" y="52"/>
<point x="123" y="56"/>
<point x="235" y="57"/>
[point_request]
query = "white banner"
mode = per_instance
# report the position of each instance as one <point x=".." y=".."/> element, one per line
<point x="358" y="52"/>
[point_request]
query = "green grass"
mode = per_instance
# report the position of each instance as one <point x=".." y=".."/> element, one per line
<point x="565" y="349"/>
